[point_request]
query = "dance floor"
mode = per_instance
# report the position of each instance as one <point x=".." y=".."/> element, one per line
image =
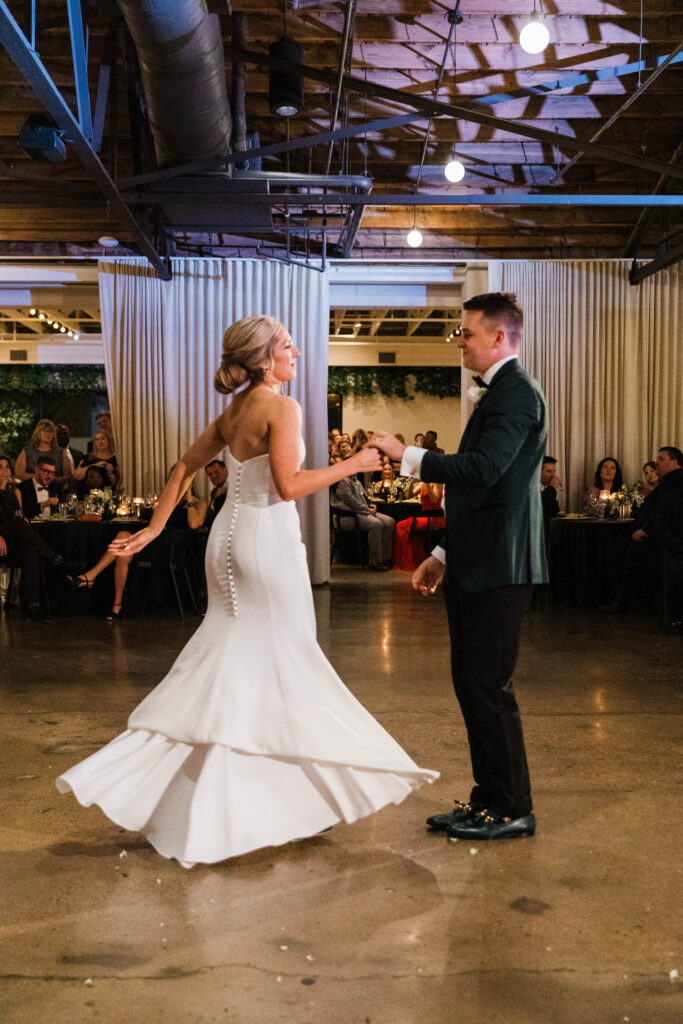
<point x="380" y="922"/>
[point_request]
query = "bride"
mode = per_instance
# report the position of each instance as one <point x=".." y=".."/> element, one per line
<point x="252" y="739"/>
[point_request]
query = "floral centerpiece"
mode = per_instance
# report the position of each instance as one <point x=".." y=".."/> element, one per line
<point x="106" y="501"/>
<point x="625" y="502"/>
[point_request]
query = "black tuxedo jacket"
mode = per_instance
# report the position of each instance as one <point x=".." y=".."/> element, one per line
<point x="494" y="521"/>
<point x="29" y="501"/>
<point x="648" y="514"/>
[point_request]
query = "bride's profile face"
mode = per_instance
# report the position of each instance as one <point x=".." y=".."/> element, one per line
<point x="285" y="356"/>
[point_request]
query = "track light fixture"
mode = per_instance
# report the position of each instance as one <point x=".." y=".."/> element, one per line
<point x="285" y="89"/>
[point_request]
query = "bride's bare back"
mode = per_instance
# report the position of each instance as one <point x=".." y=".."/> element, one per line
<point x="245" y="424"/>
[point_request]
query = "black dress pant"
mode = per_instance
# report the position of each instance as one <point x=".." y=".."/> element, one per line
<point x="24" y="550"/>
<point x="484" y="629"/>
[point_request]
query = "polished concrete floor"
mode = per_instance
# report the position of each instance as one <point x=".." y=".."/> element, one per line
<point x="381" y="922"/>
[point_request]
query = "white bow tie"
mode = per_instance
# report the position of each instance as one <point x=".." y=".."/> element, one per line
<point x="475" y="394"/>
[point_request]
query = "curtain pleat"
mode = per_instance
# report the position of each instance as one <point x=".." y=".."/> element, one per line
<point x="162" y="343"/>
<point x="608" y="356"/>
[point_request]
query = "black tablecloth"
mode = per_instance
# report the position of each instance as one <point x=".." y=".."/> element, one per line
<point x="580" y="555"/>
<point x="399" y="510"/>
<point x="86" y="542"/>
<point x="82" y="542"/>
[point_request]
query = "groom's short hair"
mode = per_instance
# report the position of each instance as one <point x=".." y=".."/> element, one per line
<point x="500" y="309"/>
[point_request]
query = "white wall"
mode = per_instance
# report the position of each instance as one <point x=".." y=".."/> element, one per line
<point x="425" y="412"/>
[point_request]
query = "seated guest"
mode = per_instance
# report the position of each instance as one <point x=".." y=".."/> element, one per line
<point x="430" y="442"/>
<point x="102" y="455"/>
<point x="608" y="477"/>
<point x="218" y="475"/>
<point x="550" y="485"/>
<point x="95" y="480"/>
<point x="41" y="494"/>
<point x="634" y="569"/>
<point x="102" y="422"/>
<point x="351" y="495"/>
<point x="670" y="531"/>
<point x="22" y="546"/>
<point x="188" y="514"/>
<point x="651" y="480"/>
<point x="63" y="436"/>
<point x="419" y="441"/>
<point x="409" y="540"/>
<point x="44" y="442"/>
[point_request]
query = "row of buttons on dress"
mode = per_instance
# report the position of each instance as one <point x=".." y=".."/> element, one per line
<point x="228" y="550"/>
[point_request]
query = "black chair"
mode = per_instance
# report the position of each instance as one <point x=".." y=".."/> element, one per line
<point x="430" y="537"/>
<point x="671" y="580"/>
<point x="350" y="544"/>
<point x="168" y="555"/>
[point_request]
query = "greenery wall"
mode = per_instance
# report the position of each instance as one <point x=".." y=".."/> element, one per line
<point x="395" y="381"/>
<point x="61" y="393"/>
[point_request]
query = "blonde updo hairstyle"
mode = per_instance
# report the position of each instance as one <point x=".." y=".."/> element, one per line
<point x="247" y="352"/>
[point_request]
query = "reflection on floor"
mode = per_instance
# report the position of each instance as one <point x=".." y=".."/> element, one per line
<point x="376" y="923"/>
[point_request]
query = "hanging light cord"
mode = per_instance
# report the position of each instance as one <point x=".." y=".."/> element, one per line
<point x="453" y="17"/>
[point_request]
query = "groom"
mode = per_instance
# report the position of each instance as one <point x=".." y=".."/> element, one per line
<point x="492" y="555"/>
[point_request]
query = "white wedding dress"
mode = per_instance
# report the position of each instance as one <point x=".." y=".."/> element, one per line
<point x="252" y="739"/>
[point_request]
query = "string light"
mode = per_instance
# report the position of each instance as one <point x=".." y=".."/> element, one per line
<point x="414" y="238"/>
<point x="534" y="37"/>
<point x="454" y="170"/>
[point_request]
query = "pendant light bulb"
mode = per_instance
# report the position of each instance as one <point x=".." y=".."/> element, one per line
<point x="454" y="170"/>
<point x="534" y="37"/>
<point x="414" y="238"/>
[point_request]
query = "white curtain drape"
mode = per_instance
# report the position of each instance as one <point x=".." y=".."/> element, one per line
<point x="609" y="357"/>
<point x="162" y="343"/>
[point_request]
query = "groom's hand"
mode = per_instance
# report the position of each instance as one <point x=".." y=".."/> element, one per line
<point x="388" y="444"/>
<point x="428" y="576"/>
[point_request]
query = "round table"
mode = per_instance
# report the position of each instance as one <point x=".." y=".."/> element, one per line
<point x="582" y="555"/>
<point x="399" y="510"/>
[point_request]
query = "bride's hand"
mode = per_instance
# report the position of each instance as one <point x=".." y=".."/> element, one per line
<point x="366" y="460"/>
<point x="132" y="544"/>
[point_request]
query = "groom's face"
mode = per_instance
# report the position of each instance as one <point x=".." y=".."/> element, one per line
<point x="480" y="342"/>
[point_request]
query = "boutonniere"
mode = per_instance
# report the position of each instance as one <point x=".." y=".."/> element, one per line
<point x="475" y="394"/>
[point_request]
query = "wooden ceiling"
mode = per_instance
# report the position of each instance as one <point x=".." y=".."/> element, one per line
<point x="570" y="90"/>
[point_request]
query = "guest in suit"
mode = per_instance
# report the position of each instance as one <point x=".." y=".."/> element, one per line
<point x="22" y="546"/>
<point x="493" y="554"/>
<point x="670" y="533"/>
<point x="64" y="441"/>
<point x="41" y="494"/>
<point x="634" y="565"/>
<point x="550" y="485"/>
<point x="217" y="473"/>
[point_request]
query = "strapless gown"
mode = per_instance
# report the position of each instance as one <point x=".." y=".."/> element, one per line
<point x="252" y="739"/>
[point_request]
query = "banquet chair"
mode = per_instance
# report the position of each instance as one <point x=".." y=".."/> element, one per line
<point x="167" y="555"/>
<point x="429" y="536"/>
<point x="348" y="543"/>
<point x="11" y="594"/>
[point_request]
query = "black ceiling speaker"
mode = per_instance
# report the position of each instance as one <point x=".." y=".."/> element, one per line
<point x="41" y="139"/>
<point x="285" y="90"/>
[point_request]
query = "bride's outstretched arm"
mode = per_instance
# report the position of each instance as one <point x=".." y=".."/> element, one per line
<point x="284" y="431"/>
<point x="207" y="446"/>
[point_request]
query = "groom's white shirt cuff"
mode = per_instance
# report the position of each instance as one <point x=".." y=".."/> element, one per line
<point x="411" y="464"/>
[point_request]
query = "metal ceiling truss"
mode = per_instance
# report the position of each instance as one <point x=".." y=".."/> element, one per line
<point x="316" y="200"/>
<point x="78" y="133"/>
<point x="469" y="113"/>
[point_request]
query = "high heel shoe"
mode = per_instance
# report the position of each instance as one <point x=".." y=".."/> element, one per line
<point x="115" y="616"/>
<point x="80" y="582"/>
